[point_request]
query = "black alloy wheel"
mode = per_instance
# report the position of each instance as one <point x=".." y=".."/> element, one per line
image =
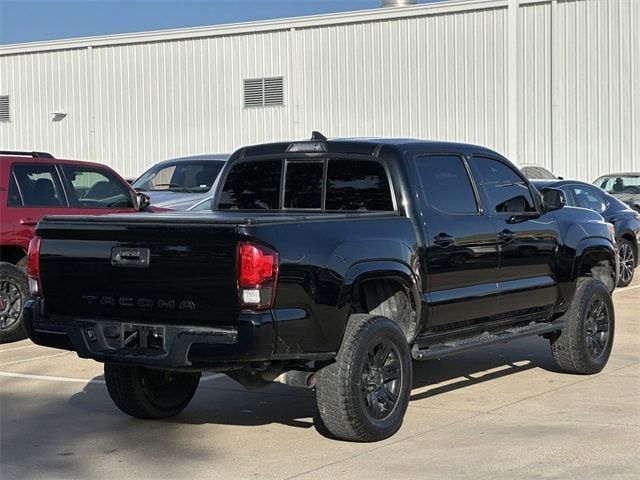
<point x="381" y="379"/>
<point x="597" y="326"/>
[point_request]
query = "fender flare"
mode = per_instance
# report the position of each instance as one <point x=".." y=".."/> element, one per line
<point x="381" y="270"/>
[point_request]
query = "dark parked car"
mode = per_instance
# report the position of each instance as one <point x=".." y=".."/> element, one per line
<point x="625" y="220"/>
<point x="536" y="172"/>
<point x="624" y="186"/>
<point x="32" y="185"/>
<point x="329" y="264"/>
<point x="181" y="182"/>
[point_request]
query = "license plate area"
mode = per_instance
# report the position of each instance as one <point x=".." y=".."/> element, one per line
<point x="145" y="339"/>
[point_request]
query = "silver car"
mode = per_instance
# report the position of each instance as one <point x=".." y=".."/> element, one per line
<point x="181" y="182"/>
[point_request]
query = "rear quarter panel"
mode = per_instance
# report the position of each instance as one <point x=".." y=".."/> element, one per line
<point x="320" y="262"/>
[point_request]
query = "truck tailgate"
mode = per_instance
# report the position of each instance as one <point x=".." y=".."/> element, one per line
<point x="147" y="270"/>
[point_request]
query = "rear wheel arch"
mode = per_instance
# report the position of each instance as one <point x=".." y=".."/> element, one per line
<point x="14" y="255"/>
<point x="392" y="292"/>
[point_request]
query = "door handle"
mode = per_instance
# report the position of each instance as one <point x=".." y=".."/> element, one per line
<point x="443" y="240"/>
<point x="28" y="221"/>
<point x="507" y="235"/>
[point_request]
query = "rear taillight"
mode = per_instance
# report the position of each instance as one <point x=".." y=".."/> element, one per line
<point x="33" y="267"/>
<point x="257" y="275"/>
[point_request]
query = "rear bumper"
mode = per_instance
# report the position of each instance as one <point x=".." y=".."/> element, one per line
<point x="165" y="346"/>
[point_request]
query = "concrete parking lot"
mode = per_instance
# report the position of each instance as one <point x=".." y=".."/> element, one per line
<point x="499" y="412"/>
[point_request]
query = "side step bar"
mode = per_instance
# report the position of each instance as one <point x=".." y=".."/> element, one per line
<point x="439" y="350"/>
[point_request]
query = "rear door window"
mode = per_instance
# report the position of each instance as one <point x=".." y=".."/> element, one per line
<point x="15" y="198"/>
<point x="95" y="188"/>
<point x="39" y="185"/>
<point x="446" y="184"/>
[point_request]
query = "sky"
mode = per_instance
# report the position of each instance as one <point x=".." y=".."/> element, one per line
<point x="35" y="20"/>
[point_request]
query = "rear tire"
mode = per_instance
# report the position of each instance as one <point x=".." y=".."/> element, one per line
<point x="585" y="343"/>
<point x="149" y="393"/>
<point x="364" y="394"/>
<point x="628" y="262"/>
<point x="14" y="292"/>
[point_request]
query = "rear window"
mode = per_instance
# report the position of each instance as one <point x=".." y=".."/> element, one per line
<point x="252" y="186"/>
<point x="323" y="184"/>
<point x="303" y="188"/>
<point x="357" y="185"/>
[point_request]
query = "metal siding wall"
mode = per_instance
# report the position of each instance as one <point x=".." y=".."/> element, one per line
<point x="597" y="43"/>
<point x="534" y="85"/>
<point x="41" y="83"/>
<point x="441" y="77"/>
<point x="163" y="100"/>
<point x="443" y="74"/>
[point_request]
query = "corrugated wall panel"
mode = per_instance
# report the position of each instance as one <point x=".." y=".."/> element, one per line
<point x="597" y="98"/>
<point x="534" y="85"/>
<point x="162" y="100"/>
<point x="38" y="85"/>
<point x="439" y="72"/>
<point x="440" y="77"/>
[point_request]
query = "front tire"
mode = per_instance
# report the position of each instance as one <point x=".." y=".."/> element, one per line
<point x="364" y="394"/>
<point x="14" y="292"/>
<point x="628" y="262"/>
<point x="585" y="343"/>
<point x="148" y="393"/>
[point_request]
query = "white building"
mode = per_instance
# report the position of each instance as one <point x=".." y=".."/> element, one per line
<point x="552" y="82"/>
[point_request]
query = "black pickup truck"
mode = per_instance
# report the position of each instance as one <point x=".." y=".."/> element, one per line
<point x="329" y="264"/>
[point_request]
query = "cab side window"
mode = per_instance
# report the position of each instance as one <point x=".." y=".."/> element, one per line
<point x="446" y="184"/>
<point x="39" y="185"/>
<point x="506" y="191"/>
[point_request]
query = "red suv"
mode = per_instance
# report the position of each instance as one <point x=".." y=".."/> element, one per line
<point x="33" y="185"/>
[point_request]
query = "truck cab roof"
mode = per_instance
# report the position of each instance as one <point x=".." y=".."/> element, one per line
<point x="356" y="145"/>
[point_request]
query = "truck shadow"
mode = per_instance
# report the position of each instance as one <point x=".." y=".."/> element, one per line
<point x="479" y="366"/>
<point x="224" y="402"/>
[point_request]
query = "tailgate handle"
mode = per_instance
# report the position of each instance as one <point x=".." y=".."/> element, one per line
<point x="130" y="257"/>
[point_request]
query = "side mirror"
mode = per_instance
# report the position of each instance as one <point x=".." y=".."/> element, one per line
<point x="142" y="201"/>
<point x="553" y="199"/>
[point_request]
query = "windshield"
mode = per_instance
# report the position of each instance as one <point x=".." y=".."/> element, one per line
<point x="617" y="184"/>
<point x="202" y="205"/>
<point x="196" y="176"/>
